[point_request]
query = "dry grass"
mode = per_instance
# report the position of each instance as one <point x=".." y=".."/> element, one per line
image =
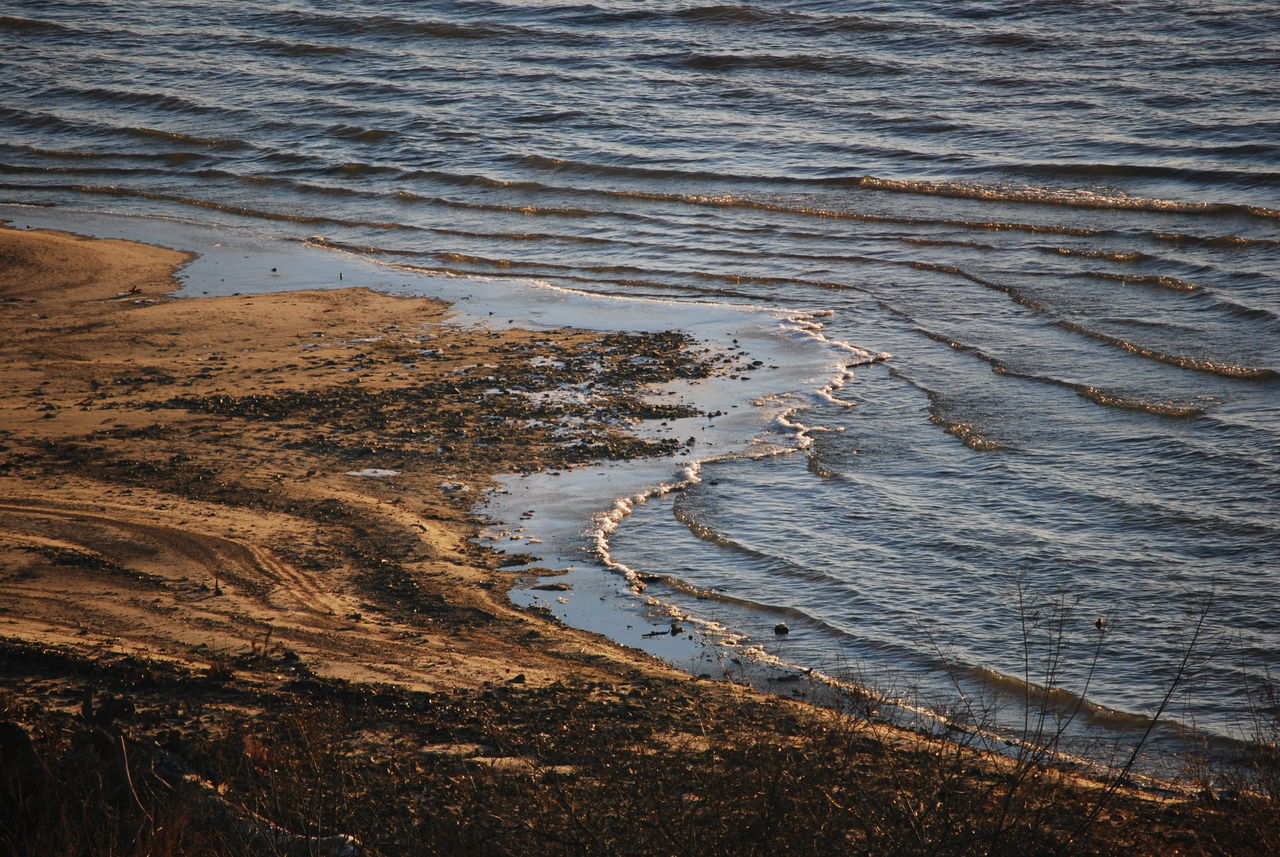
<point x="643" y="767"/>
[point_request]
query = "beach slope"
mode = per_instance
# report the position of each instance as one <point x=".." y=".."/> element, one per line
<point x="242" y="611"/>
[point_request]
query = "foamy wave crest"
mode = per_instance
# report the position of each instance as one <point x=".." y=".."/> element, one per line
<point x="1198" y="364"/>
<point x="1109" y="199"/>
<point x="606" y="522"/>
<point x="783" y="423"/>
<point x="808" y="326"/>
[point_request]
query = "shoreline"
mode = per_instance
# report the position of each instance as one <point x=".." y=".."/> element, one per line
<point x="702" y="419"/>
<point x="199" y="518"/>
<point x="246" y="417"/>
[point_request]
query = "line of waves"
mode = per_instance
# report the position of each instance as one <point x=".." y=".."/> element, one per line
<point x="350" y="170"/>
<point x="387" y="27"/>
<point x="1197" y="363"/>
<point x="965" y="432"/>
<point x="737" y="201"/>
<point x="112" y="190"/>
<point x="999" y="367"/>
<point x="1071" y="199"/>
<point x="986" y="192"/>
<point x="1212" y="298"/>
<point x="1009" y="687"/>
<point x="613" y="272"/>
<point x="726" y="62"/>
<point x="177" y="157"/>
<point x="50" y="122"/>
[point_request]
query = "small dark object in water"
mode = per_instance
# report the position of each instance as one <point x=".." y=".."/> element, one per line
<point x="781" y="629"/>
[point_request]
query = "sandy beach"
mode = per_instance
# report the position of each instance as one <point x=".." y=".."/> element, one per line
<point x="248" y="521"/>
<point x="177" y="473"/>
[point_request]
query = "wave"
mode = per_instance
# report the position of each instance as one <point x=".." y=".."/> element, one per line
<point x="737" y="201"/>
<point x="178" y="136"/>
<point x="1053" y="702"/>
<point x="1013" y="39"/>
<point x="1182" y="239"/>
<point x="548" y="117"/>
<point x="21" y="169"/>
<point x="622" y="275"/>
<point x="533" y="236"/>
<point x="1069" y="198"/>
<point x="1164" y="409"/>
<point x="112" y="190"/>
<point x="1239" y="310"/>
<point x="967" y="433"/>
<point x="732" y="201"/>
<point x="297" y="49"/>
<point x="16" y="24"/>
<point x="42" y="121"/>
<point x="831" y="65"/>
<point x="1241" y="178"/>
<point x="723" y="15"/>
<point x="586" y="285"/>
<point x="111" y="155"/>
<point x="359" y="134"/>
<point x="547" y="163"/>
<point x="733" y="15"/>
<point x="947" y="242"/>
<point x="985" y="192"/>
<point x="540" y="210"/>
<point x="150" y="100"/>
<point x="1122" y="256"/>
<point x="1155" y="280"/>
<point x="1000" y="367"/>
<point x="399" y="28"/>
<point x="1213" y="300"/>
<point x="1198" y="364"/>
<point x="777" y="565"/>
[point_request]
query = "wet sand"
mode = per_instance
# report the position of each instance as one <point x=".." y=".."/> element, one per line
<point x="175" y="473"/>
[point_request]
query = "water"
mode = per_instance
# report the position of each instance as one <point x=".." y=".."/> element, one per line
<point x="1061" y="220"/>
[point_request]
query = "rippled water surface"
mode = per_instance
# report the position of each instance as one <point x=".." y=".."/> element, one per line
<point x="1061" y="220"/>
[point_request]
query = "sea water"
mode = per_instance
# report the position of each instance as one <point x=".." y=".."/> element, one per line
<point x="1060" y="220"/>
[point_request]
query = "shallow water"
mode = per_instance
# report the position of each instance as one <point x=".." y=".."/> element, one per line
<point x="1061" y="221"/>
